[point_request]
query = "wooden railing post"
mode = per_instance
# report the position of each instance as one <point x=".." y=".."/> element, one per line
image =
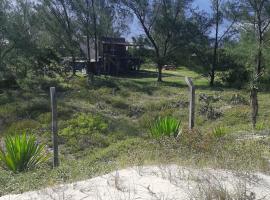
<point x="54" y="127"/>
<point x="191" y="102"/>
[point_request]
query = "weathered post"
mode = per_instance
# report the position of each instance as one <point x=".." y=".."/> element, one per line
<point x="191" y="102"/>
<point x="54" y="127"/>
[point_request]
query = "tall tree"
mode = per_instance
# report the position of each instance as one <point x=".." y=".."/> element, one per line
<point x="82" y="13"/>
<point x="160" y="21"/>
<point x="255" y="19"/>
<point x="5" y="44"/>
<point x="219" y="20"/>
<point x="59" y="21"/>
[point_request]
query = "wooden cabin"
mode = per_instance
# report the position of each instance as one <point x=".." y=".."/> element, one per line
<point x="113" y="57"/>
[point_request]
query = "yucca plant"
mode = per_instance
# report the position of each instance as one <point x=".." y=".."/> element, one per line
<point x="219" y="131"/>
<point x="166" y="126"/>
<point x="22" y="153"/>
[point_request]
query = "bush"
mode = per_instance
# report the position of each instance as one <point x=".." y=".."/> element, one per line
<point x="238" y="99"/>
<point x="207" y="107"/>
<point x="260" y="126"/>
<point x="84" y="124"/>
<point x="166" y="126"/>
<point x="25" y="125"/>
<point x="236" y="77"/>
<point x="232" y="73"/>
<point x="22" y="153"/>
<point x="84" y="131"/>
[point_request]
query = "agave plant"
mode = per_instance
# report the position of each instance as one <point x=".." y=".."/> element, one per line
<point x="22" y="153"/>
<point x="219" y="131"/>
<point x="166" y="126"/>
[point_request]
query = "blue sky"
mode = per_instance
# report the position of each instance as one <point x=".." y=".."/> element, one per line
<point x="136" y="30"/>
<point x="202" y="4"/>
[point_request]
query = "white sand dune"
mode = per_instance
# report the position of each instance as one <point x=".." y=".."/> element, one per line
<point x="168" y="182"/>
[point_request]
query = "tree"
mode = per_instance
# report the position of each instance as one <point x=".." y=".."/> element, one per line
<point x="219" y="16"/>
<point x="96" y="19"/>
<point x="161" y="21"/>
<point x="82" y="11"/>
<point x="18" y="38"/>
<point x="255" y="20"/>
<point x="58" y="19"/>
<point x="5" y="45"/>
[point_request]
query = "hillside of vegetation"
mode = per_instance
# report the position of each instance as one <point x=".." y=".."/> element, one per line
<point x="105" y="126"/>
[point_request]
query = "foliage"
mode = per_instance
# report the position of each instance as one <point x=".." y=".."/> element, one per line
<point x="83" y="124"/>
<point x="166" y="126"/>
<point x="22" y="153"/>
<point x="232" y="72"/>
<point x="261" y="126"/>
<point x="219" y="131"/>
<point x="123" y="142"/>
<point x="84" y="131"/>
<point x="238" y="99"/>
<point x="26" y="125"/>
<point x="207" y="107"/>
<point x="164" y="24"/>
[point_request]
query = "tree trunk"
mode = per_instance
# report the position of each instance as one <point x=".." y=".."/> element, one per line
<point x="254" y="105"/>
<point x="214" y="66"/>
<point x="254" y="90"/>
<point x="159" y="72"/>
<point x="87" y="31"/>
<point x="88" y="47"/>
<point x="73" y="66"/>
<point x="95" y="34"/>
<point x="1" y="59"/>
<point x="214" y="63"/>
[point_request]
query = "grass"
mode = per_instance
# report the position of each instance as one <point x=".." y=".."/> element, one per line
<point x="122" y="108"/>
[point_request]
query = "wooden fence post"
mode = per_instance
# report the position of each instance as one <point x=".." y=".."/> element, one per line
<point x="54" y="127"/>
<point x="191" y="102"/>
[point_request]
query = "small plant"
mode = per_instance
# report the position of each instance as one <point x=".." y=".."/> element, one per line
<point x="166" y="126"/>
<point x="238" y="99"/>
<point x="260" y="126"/>
<point x="219" y="131"/>
<point x="22" y="153"/>
<point x="207" y="108"/>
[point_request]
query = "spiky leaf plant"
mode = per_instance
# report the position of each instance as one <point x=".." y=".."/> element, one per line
<point x="219" y="131"/>
<point x="166" y="126"/>
<point x="22" y="153"/>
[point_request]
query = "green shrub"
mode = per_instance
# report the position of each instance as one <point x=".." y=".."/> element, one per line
<point x="84" y="124"/>
<point x="219" y="131"/>
<point x="84" y="131"/>
<point x="166" y="126"/>
<point x="260" y="126"/>
<point x="119" y="103"/>
<point x="24" y="125"/>
<point x="22" y="153"/>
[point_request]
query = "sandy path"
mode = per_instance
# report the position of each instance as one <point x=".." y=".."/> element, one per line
<point x="155" y="183"/>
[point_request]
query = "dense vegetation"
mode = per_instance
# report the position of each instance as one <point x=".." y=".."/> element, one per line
<point x="134" y="119"/>
<point x="106" y="126"/>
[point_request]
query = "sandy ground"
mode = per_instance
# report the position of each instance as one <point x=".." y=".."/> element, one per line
<point x="157" y="183"/>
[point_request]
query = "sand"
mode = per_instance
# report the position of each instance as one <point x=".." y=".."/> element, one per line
<point x="167" y="182"/>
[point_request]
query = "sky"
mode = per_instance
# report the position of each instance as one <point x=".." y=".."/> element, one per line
<point x="136" y="30"/>
<point x="202" y="4"/>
